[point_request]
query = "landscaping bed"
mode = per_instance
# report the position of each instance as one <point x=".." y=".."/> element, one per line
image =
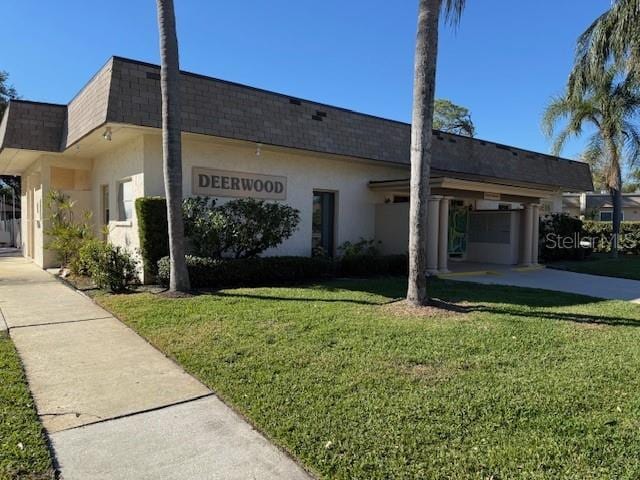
<point x="23" y="449"/>
<point x="506" y="383"/>
<point x="625" y="266"/>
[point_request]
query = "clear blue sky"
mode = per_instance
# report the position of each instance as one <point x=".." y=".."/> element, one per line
<point x="504" y="62"/>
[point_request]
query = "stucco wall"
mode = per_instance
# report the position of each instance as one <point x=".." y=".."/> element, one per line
<point x="355" y="202"/>
<point x="118" y="164"/>
<point x="392" y="227"/>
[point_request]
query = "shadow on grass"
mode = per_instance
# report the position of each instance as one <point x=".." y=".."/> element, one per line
<point x="276" y="298"/>
<point x="465" y="297"/>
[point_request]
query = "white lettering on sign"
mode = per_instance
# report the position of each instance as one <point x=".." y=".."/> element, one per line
<point x="225" y="183"/>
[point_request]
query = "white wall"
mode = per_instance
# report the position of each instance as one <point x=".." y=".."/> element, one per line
<point x="392" y="227"/>
<point x="355" y="202"/>
<point x="123" y="162"/>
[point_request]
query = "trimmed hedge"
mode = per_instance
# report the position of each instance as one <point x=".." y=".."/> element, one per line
<point x="214" y="273"/>
<point x="153" y="233"/>
<point x="554" y="230"/>
<point x="263" y="271"/>
<point x="372" y="265"/>
<point x="601" y="233"/>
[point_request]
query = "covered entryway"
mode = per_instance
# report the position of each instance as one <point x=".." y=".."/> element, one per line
<point x="468" y="221"/>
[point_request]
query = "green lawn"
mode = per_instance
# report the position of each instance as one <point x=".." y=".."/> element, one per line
<point x="527" y="384"/>
<point x="625" y="266"/>
<point x="23" y="449"/>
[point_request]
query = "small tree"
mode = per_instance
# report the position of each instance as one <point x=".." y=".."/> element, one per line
<point x="7" y="92"/>
<point x="66" y="233"/>
<point x="451" y="118"/>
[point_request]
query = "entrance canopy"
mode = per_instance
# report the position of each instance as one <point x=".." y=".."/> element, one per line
<point x="502" y="228"/>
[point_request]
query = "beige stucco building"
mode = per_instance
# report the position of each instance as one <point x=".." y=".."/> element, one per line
<point x="346" y="172"/>
<point x="599" y="206"/>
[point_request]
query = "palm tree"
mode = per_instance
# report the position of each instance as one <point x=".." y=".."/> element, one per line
<point x="608" y="105"/>
<point x="421" y="137"/>
<point x="172" y="143"/>
<point x="614" y="37"/>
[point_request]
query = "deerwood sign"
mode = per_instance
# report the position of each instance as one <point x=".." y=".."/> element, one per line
<point x="224" y="183"/>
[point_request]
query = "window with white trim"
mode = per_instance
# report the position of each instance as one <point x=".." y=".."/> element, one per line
<point x="608" y="216"/>
<point x="125" y="200"/>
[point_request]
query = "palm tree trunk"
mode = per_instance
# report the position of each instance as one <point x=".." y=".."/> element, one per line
<point x="421" y="139"/>
<point x="172" y="143"/>
<point x="615" y="188"/>
<point x="616" y="200"/>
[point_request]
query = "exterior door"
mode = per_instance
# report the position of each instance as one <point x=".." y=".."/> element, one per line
<point x="323" y="223"/>
<point x="458" y="229"/>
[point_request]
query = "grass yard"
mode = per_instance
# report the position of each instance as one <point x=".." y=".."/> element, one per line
<point x="527" y="384"/>
<point x="626" y="266"/>
<point x="23" y="450"/>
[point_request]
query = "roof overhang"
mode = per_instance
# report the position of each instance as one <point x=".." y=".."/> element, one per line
<point x="451" y="183"/>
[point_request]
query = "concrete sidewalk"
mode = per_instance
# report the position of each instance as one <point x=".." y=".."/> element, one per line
<point x="114" y="407"/>
<point x="561" y="281"/>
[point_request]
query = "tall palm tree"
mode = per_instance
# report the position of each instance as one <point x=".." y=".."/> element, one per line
<point x="172" y="143"/>
<point x="608" y="104"/>
<point x="424" y="83"/>
<point x="614" y="37"/>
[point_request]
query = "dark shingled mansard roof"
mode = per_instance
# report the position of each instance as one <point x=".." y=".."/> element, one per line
<point x="128" y="92"/>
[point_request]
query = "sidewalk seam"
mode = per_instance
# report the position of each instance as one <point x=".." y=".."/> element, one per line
<point x="63" y="322"/>
<point x="133" y="414"/>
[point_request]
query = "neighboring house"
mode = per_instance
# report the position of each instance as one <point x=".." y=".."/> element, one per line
<point x="346" y="172"/>
<point x="598" y="206"/>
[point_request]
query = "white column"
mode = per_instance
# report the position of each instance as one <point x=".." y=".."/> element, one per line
<point x="527" y="235"/>
<point x="433" y="225"/>
<point x="535" y="234"/>
<point x="443" y="236"/>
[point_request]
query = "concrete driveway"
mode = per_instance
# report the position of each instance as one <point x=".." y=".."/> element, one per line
<point x="561" y="281"/>
<point x="113" y="406"/>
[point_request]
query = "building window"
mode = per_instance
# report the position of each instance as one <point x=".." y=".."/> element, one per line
<point x="323" y="223"/>
<point x="104" y="193"/>
<point x="608" y="216"/>
<point x="125" y="200"/>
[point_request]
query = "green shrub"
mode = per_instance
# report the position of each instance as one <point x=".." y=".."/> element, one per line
<point x="242" y="228"/>
<point x="87" y="256"/>
<point x="205" y="226"/>
<point x="215" y="273"/>
<point x="560" y="238"/>
<point x="600" y="234"/>
<point x="153" y="232"/>
<point x="362" y="247"/>
<point x="110" y="267"/>
<point x="66" y="232"/>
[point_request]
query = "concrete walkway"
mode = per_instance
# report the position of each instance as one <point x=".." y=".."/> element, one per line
<point x="114" y="407"/>
<point x="558" y="280"/>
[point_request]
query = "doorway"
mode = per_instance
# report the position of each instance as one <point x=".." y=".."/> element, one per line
<point x="323" y="223"/>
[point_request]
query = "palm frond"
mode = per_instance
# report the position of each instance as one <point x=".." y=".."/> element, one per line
<point x="453" y="11"/>
<point x="631" y="144"/>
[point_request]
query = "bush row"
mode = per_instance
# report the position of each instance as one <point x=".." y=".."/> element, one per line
<point x="601" y="232"/>
<point x="262" y="271"/>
